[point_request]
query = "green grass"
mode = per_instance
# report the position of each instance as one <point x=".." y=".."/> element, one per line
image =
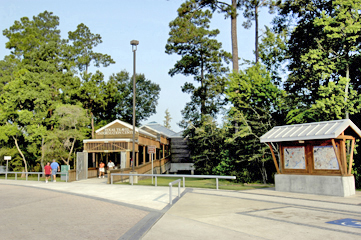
<point x="32" y="177"/>
<point x="199" y="183"/>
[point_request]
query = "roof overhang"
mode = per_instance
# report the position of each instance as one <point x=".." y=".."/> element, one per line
<point x="310" y="131"/>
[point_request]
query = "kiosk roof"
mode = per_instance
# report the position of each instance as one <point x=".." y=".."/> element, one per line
<point x="310" y="131"/>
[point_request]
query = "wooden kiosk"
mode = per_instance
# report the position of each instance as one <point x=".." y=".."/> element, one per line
<point x="313" y="157"/>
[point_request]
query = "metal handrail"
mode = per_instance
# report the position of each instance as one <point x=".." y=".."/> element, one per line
<point x="170" y="190"/>
<point x="171" y="175"/>
<point x="27" y="173"/>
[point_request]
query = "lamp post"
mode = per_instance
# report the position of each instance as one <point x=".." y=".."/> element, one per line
<point x="134" y="44"/>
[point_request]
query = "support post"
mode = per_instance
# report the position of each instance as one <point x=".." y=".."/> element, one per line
<point x="274" y="158"/>
<point x="351" y="157"/>
<point x="337" y="156"/>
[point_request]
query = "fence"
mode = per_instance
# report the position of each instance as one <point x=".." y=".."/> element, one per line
<point x="170" y="190"/>
<point x="27" y="173"/>
<point x="170" y="175"/>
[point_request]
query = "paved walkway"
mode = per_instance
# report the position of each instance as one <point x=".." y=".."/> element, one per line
<point x="92" y="209"/>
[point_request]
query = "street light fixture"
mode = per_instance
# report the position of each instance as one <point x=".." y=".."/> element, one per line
<point x="134" y="44"/>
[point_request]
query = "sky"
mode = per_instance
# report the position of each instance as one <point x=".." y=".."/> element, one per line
<point x="120" y="21"/>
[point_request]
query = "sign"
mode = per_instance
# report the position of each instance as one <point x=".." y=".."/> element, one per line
<point x="64" y="168"/>
<point x="325" y="158"/>
<point x="7" y="157"/>
<point x="348" y="222"/>
<point x="151" y="149"/>
<point x="294" y="157"/>
<point x="116" y="130"/>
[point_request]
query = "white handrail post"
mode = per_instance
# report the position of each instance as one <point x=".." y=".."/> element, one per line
<point x="179" y="189"/>
<point x="26" y="174"/>
<point x="16" y="176"/>
<point x="111" y="179"/>
<point x="170" y="193"/>
<point x="217" y="183"/>
<point x="6" y="175"/>
<point x="156" y="181"/>
<point x="38" y="177"/>
<point x="184" y="180"/>
<point x="66" y="175"/>
<point x="132" y="179"/>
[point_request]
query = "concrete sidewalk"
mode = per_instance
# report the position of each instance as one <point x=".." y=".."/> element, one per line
<point x="92" y="209"/>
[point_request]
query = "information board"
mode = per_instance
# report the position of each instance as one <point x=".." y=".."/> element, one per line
<point x="325" y="158"/>
<point x="294" y="157"/>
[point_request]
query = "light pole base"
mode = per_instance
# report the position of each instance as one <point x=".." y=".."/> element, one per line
<point x="133" y="179"/>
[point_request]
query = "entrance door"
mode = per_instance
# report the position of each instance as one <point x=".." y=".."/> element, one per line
<point x="123" y="159"/>
<point x="81" y="166"/>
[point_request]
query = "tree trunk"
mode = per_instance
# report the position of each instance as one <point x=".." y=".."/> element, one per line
<point x="346" y="88"/>
<point x="42" y="155"/>
<point x="256" y="28"/>
<point x="71" y="150"/>
<point x="21" y="153"/>
<point x="234" y="36"/>
<point x="92" y="124"/>
<point x="264" y="173"/>
<point x="203" y="100"/>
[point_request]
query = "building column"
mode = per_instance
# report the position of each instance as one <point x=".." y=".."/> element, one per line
<point x="163" y="151"/>
<point x="144" y="154"/>
<point x="137" y="158"/>
<point x="127" y="161"/>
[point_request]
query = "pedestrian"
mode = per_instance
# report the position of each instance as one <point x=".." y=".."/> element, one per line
<point x="101" y="169"/>
<point x="110" y="165"/>
<point x="54" y="168"/>
<point x="47" y="170"/>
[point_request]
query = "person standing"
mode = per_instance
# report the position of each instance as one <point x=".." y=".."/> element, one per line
<point x="54" y="168"/>
<point x="101" y="169"/>
<point x="110" y="165"/>
<point x="47" y="170"/>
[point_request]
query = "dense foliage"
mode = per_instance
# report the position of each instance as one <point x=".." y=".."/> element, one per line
<point x="307" y="69"/>
<point x="49" y="99"/>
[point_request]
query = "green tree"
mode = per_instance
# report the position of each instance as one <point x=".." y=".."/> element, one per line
<point x="297" y="17"/>
<point x="91" y="95"/>
<point x="257" y="107"/>
<point x="71" y="120"/>
<point x="83" y="42"/>
<point x="167" y="119"/>
<point x="205" y="143"/>
<point x="342" y="29"/>
<point x="322" y="47"/>
<point x="118" y="93"/>
<point x="273" y="53"/>
<point x="251" y="13"/>
<point x="230" y="10"/>
<point x="81" y="52"/>
<point x="201" y="56"/>
<point x="37" y="78"/>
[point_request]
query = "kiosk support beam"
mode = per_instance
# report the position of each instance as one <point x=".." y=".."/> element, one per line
<point x="351" y="157"/>
<point x="337" y="156"/>
<point x="274" y="159"/>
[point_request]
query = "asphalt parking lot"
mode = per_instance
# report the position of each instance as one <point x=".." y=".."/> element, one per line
<point x="92" y="209"/>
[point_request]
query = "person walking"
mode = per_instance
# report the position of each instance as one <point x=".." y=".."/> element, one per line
<point x="101" y="169"/>
<point x="54" y="168"/>
<point x="110" y="165"/>
<point x="47" y="170"/>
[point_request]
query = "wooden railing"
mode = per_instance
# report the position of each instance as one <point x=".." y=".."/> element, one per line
<point x="158" y="165"/>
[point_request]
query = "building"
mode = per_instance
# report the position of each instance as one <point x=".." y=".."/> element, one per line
<point x="114" y="142"/>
